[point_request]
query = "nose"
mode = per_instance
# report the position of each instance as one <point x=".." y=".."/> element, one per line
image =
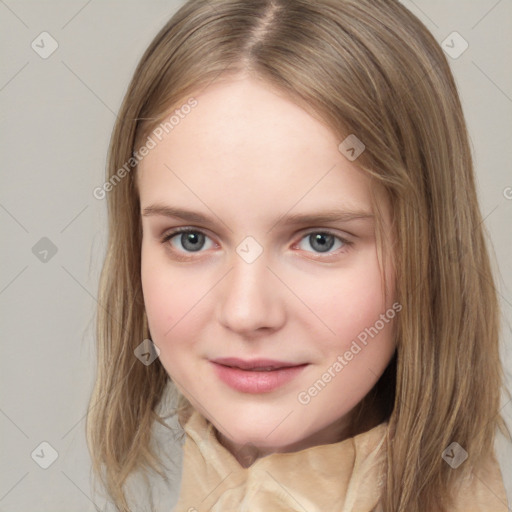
<point x="250" y="300"/>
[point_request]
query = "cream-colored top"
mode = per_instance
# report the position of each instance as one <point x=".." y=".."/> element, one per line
<point x="341" y="477"/>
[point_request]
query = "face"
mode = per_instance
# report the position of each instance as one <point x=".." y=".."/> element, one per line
<point x="261" y="280"/>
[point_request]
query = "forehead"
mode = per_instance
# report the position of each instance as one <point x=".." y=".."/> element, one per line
<point x="253" y="149"/>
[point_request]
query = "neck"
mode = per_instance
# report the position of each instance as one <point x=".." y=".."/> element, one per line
<point x="246" y="454"/>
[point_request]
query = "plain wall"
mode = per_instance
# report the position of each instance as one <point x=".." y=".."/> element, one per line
<point x="57" y="117"/>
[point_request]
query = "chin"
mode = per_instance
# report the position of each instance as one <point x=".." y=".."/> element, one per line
<point x="263" y="430"/>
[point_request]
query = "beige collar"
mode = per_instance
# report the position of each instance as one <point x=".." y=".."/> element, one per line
<point x="344" y="476"/>
<point x="341" y="477"/>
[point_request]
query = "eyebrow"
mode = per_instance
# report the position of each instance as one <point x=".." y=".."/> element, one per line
<point x="332" y="215"/>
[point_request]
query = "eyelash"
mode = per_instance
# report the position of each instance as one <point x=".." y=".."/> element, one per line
<point x="171" y="234"/>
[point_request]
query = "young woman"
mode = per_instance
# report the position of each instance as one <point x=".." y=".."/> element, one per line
<point x="294" y="232"/>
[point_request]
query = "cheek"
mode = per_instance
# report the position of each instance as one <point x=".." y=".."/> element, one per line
<point x="364" y="325"/>
<point x="174" y="303"/>
<point x="355" y="355"/>
<point x="159" y="301"/>
<point x="163" y="310"/>
<point x="166" y="298"/>
<point x="348" y="301"/>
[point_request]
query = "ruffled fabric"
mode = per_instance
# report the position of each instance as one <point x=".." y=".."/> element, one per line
<point x="341" y="477"/>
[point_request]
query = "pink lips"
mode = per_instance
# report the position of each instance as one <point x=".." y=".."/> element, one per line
<point x="257" y="375"/>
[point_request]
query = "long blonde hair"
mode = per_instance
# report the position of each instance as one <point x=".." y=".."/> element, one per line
<point x="364" y="67"/>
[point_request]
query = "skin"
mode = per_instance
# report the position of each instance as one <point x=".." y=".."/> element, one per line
<point x="245" y="157"/>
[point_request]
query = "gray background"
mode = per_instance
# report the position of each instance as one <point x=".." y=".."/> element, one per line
<point x="57" y="117"/>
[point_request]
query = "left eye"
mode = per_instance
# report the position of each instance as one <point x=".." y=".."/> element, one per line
<point x="190" y="241"/>
<point x="322" y="242"/>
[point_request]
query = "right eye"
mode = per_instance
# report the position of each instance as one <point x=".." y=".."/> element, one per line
<point x="186" y="240"/>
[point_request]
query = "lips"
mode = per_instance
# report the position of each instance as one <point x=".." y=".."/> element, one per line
<point x="255" y="364"/>
<point x="256" y="376"/>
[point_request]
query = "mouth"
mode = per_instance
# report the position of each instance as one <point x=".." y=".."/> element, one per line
<point x="256" y="376"/>
<point x="259" y="365"/>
